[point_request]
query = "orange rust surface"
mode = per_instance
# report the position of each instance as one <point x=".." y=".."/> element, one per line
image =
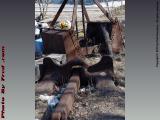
<point x="117" y="40"/>
<point x="66" y="102"/>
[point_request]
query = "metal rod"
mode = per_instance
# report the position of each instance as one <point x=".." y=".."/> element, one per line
<point x="59" y="12"/>
<point x="77" y="28"/>
<point x="74" y="14"/>
<point x="83" y="21"/>
<point x="103" y="10"/>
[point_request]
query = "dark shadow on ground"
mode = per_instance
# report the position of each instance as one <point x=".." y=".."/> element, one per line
<point x="103" y="116"/>
<point x="47" y="115"/>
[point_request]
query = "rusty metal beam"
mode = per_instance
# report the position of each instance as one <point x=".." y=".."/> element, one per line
<point x="103" y="10"/>
<point x="116" y="36"/>
<point x="83" y="20"/>
<point x="86" y="72"/>
<point x="74" y="14"/>
<point x="58" y="13"/>
<point x="66" y="102"/>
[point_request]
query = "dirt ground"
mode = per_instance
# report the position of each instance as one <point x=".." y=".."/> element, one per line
<point x="107" y="106"/>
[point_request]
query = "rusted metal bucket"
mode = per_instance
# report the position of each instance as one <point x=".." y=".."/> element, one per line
<point x="54" y="41"/>
<point x="61" y="42"/>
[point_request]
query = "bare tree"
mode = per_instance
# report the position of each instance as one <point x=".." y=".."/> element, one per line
<point x="43" y="5"/>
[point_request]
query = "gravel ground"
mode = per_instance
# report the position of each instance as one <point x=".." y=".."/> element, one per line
<point x="95" y="106"/>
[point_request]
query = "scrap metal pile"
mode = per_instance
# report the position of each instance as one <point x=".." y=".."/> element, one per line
<point x="67" y="78"/>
